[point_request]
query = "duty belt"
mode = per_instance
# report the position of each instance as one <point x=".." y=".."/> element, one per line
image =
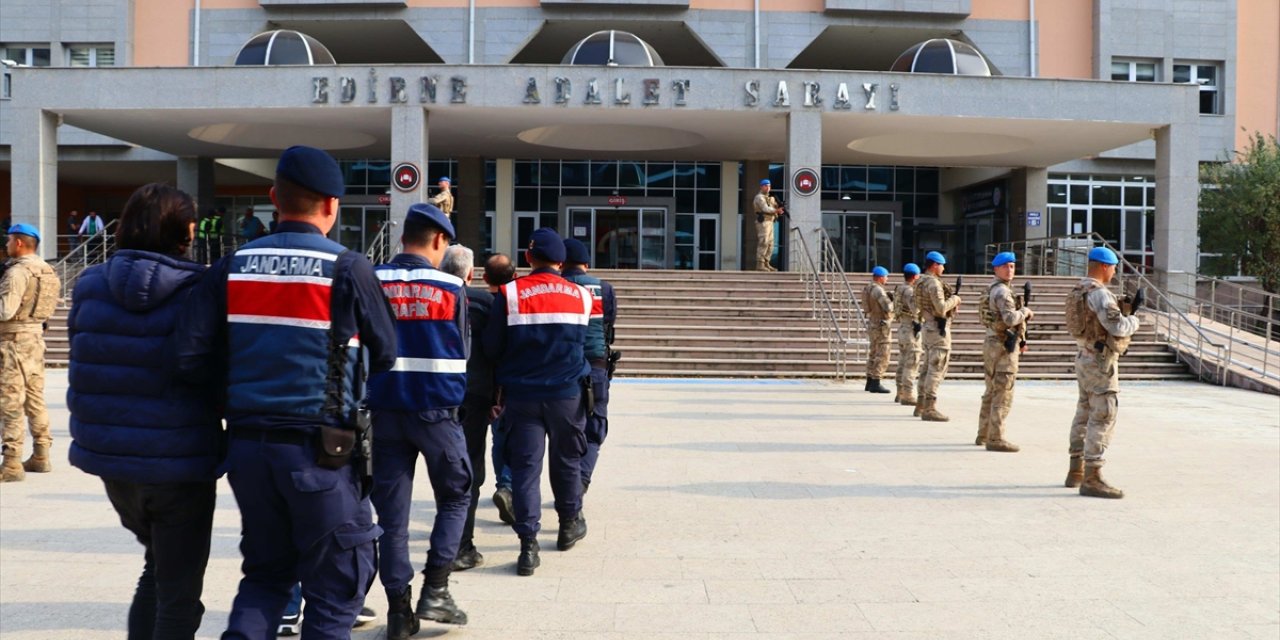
<point x="272" y="436"/>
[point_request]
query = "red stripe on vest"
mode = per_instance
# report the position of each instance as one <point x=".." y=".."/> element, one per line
<point x="278" y="299"/>
<point x="419" y="301"/>
<point x="548" y="293"/>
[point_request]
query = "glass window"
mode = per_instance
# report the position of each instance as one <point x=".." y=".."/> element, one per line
<point x="574" y="174"/>
<point x="1205" y="75"/>
<point x="904" y="179"/>
<point x="684" y="176"/>
<point x="926" y="180"/>
<point x="1133" y="236"/>
<point x="879" y="179"/>
<point x="1058" y="194"/>
<point x="661" y="175"/>
<point x="526" y="173"/>
<point x="1057" y="221"/>
<point x="1133" y="71"/>
<point x="1106" y="223"/>
<point x="28" y="56"/>
<point x="1133" y="196"/>
<point x="708" y="175"/>
<point x="1079" y="194"/>
<point x="1106" y="194"/>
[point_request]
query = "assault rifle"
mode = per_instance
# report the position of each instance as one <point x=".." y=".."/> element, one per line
<point x="1134" y="302"/>
<point x="942" y="321"/>
<point x="1011" y="341"/>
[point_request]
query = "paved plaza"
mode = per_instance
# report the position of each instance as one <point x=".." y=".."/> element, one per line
<point x="787" y="510"/>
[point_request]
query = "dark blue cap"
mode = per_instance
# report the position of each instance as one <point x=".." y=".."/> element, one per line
<point x="545" y="244"/>
<point x="311" y="169"/>
<point x="1096" y="254"/>
<point x="911" y="269"/>
<point x="1003" y="258"/>
<point x="431" y="214"/>
<point x="576" y="252"/>
<point x="26" y="230"/>
<point x="934" y="256"/>
<point x="880" y="272"/>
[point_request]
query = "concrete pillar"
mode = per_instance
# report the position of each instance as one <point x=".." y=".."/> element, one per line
<point x="804" y="151"/>
<point x="1177" y="203"/>
<point x="730" y="217"/>
<point x="195" y="176"/>
<point x="408" y="144"/>
<point x="753" y="172"/>
<point x="1033" y="182"/>
<point x="504" y="209"/>
<point x="33" y="174"/>
<point x="468" y="205"/>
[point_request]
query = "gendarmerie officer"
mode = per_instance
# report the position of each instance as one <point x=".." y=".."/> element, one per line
<point x="1005" y="316"/>
<point x="907" y="314"/>
<point x="415" y="413"/>
<point x="937" y="305"/>
<point x="536" y="333"/>
<point x="281" y="317"/>
<point x="879" y="306"/>
<point x="604" y="314"/>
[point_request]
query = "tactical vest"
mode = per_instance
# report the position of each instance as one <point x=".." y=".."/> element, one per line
<point x="904" y="308"/>
<point x="279" y="315"/>
<point x="40" y="297"/>
<point x="547" y="318"/>
<point x="989" y="315"/>
<point x="431" y="358"/>
<point x="1083" y="323"/>
<point x="869" y="303"/>
<point x="594" y="348"/>
<point x="924" y="301"/>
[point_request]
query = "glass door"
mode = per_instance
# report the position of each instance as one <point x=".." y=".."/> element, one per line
<point x="526" y="224"/>
<point x="359" y="225"/>
<point x="706" y="241"/>
<point x="621" y="238"/>
<point x="862" y="239"/>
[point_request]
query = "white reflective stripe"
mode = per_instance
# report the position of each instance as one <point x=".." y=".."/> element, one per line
<point x="259" y="277"/>
<point x="587" y="300"/>
<point x="430" y="365"/>
<point x="597" y="315"/>
<point x="277" y="320"/>
<point x="418" y="274"/>
<point x="305" y="253"/>
<point x="513" y="298"/>
<point x="354" y="343"/>
<point x="547" y="318"/>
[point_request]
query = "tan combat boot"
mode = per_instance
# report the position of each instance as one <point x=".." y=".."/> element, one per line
<point x="931" y="413"/>
<point x="908" y="397"/>
<point x="11" y="470"/>
<point x="1002" y="446"/>
<point x="1094" y="486"/>
<point x="1075" y="473"/>
<point x="920" y="405"/>
<point x="39" y="460"/>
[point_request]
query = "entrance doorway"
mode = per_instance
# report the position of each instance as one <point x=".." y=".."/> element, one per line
<point x="358" y="225"/>
<point x="862" y="239"/>
<point x="622" y="237"/>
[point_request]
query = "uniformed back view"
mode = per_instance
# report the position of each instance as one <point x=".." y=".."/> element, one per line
<point x="604" y="313"/>
<point x="907" y="315"/>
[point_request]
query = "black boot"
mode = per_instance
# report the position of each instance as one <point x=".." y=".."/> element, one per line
<point x="867" y="386"/>
<point x="571" y="531"/>
<point x="401" y="622"/>
<point x="874" y="386"/>
<point x="469" y="558"/>
<point x="528" y="557"/>
<point x="435" y="603"/>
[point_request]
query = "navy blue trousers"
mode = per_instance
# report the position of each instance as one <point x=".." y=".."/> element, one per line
<point x="597" y="422"/>
<point x="530" y="425"/>
<point x="300" y="522"/>
<point x="399" y="437"/>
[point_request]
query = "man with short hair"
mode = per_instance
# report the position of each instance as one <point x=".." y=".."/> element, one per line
<point x="767" y="210"/>
<point x="1002" y="313"/>
<point x="498" y="271"/>
<point x="444" y="199"/>
<point x="604" y="314"/>
<point x="250" y="226"/>
<point x="28" y="295"/>
<point x="878" y="305"/>
<point x="937" y="306"/>
<point x="907" y="314"/>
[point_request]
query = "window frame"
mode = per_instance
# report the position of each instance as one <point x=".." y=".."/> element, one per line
<point x="28" y="57"/>
<point x="1132" y="65"/>
<point x="1193" y="77"/>
<point x="94" y="51"/>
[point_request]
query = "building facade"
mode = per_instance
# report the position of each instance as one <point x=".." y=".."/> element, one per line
<point x="1094" y="117"/>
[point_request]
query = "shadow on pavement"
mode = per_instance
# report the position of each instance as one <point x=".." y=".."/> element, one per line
<point x="789" y="490"/>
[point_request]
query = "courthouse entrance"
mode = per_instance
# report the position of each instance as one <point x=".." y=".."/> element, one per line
<point x="622" y="237"/>
<point x="862" y="239"/>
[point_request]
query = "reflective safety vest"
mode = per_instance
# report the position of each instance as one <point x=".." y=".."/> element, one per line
<point x="594" y="347"/>
<point x="547" y="319"/>
<point x="431" y="360"/>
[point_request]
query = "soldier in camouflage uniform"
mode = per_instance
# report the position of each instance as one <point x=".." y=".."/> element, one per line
<point x="1005" y="316"/>
<point x="907" y="314"/>
<point x="444" y="200"/>
<point x="29" y="292"/>
<point x="767" y="210"/>
<point x="1102" y="327"/>
<point x="937" y="305"/>
<point x="879" y="306"/>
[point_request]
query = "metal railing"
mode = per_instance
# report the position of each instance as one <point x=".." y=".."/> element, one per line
<point x="848" y="301"/>
<point x="821" y="303"/>
<point x="94" y="250"/>
<point x="380" y="248"/>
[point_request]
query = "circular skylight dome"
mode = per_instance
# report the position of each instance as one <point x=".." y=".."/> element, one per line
<point x="613" y="49"/>
<point x="942" y="55"/>
<point x="283" y="46"/>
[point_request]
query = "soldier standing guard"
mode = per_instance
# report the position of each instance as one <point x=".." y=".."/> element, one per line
<point x="937" y="305"/>
<point x="29" y="291"/>
<point x="1005" y="317"/>
<point x="444" y="200"/>
<point x="1102" y="328"/>
<point x="879" y="306"/>
<point x="767" y="211"/>
<point x="907" y="314"/>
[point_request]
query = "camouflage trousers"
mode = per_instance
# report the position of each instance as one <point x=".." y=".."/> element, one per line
<point x="908" y="358"/>
<point x="937" y="357"/>
<point x="878" y="356"/>
<point x="1098" y="376"/>
<point x="1000" y="369"/>
<point x="764" y="244"/>
<point x="22" y="390"/>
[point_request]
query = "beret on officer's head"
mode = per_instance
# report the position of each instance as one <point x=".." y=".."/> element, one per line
<point x="934" y="256"/>
<point x="445" y="179"/>
<point x="765" y="182"/>
<point x="911" y="269"/>
<point x="545" y="244"/>
<point x="575" y="252"/>
<point x="424" y="212"/>
<point x="311" y="169"/>
<point x="26" y="230"/>
<point x="1103" y="255"/>
<point x="1003" y="258"/>
<point x="880" y="272"/>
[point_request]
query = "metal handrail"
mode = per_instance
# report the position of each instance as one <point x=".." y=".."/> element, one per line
<point x="379" y="250"/>
<point x="94" y="250"/>
<point x="832" y="265"/>
<point x="816" y="291"/>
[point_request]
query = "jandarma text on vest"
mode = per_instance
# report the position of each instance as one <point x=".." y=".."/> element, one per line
<point x="552" y="287"/>
<point x="284" y="265"/>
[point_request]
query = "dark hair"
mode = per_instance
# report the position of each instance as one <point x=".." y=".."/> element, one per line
<point x="499" y="270"/>
<point x="418" y="231"/>
<point x="928" y="264"/>
<point x="295" y="199"/>
<point x="157" y="218"/>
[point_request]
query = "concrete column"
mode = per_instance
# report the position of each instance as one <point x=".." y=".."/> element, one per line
<point x="195" y="176"/>
<point x="1177" y="203"/>
<point x="1033" y="182"/>
<point x="804" y="150"/>
<point x="468" y="209"/>
<point x="753" y="172"/>
<point x="33" y="174"/>
<point x="730" y="217"/>
<point x="408" y="144"/>
<point x="504" y="209"/>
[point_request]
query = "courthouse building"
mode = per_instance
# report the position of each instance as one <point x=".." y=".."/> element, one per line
<point x="644" y="126"/>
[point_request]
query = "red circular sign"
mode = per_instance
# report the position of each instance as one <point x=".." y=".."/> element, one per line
<point x="617" y="201"/>
<point x="805" y="182"/>
<point x="406" y="177"/>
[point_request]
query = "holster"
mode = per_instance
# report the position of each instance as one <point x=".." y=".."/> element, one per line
<point x="334" y="446"/>
<point x="612" y="362"/>
<point x="1010" y="340"/>
<point x="759" y="218"/>
<point x="915" y="328"/>
<point x="588" y="393"/>
<point x="942" y="326"/>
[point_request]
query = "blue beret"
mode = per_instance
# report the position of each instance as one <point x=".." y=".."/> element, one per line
<point x="26" y="230"/>
<point x="576" y="252"/>
<point x="436" y="217"/>
<point x="911" y="269"/>
<point x="765" y="182"/>
<point x="545" y="244"/>
<point x="445" y="179"/>
<point x="1003" y="258"/>
<point x="1103" y="255"/>
<point x="934" y="256"/>
<point x="880" y="272"/>
<point x="311" y="169"/>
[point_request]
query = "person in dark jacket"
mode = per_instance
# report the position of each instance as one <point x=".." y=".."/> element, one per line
<point x="153" y="440"/>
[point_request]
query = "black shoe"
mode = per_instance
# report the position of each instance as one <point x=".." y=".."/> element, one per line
<point x="571" y="531"/>
<point x="528" y="557"/>
<point x="867" y="386"/>
<point x="436" y="604"/>
<point x="468" y="559"/>
<point x="874" y="386"/>
<point x="502" y="500"/>
<point x="365" y="616"/>
<point x="401" y="623"/>
<point x="586" y="484"/>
